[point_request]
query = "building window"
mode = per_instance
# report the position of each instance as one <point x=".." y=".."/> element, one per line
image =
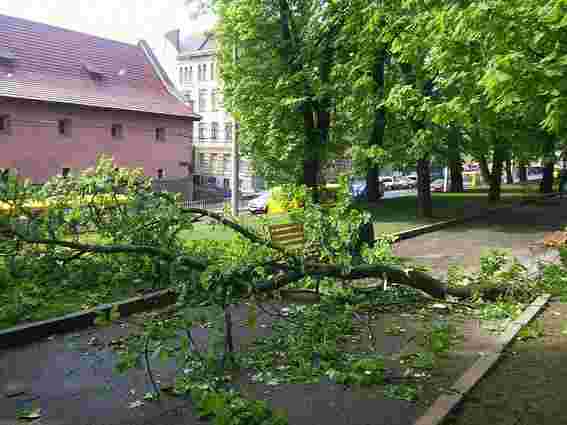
<point x="204" y="71"/>
<point x="202" y="100"/>
<point x="190" y="74"/>
<point x="160" y="173"/>
<point x="212" y="180"/>
<point x="4" y="124"/>
<point x="65" y="172"/>
<point x="160" y="134"/>
<point x="213" y="162"/>
<point x="185" y="75"/>
<point x="228" y="131"/>
<point x="212" y="71"/>
<point x="199" y="73"/>
<point x="202" y="131"/>
<point x="220" y="100"/>
<point x="202" y="162"/>
<point x="117" y="131"/>
<point x="180" y="76"/>
<point x="214" y="130"/>
<point x="214" y="100"/>
<point x="226" y="184"/>
<point x="64" y="127"/>
<point x="226" y="162"/>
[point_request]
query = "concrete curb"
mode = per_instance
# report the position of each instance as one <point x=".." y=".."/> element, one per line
<point x="429" y="228"/>
<point x="444" y="404"/>
<point x="28" y="333"/>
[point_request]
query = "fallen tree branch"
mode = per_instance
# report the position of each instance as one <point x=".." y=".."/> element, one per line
<point x="236" y="227"/>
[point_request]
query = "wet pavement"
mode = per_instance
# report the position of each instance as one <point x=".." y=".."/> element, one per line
<point x="71" y="377"/>
<point x="519" y="231"/>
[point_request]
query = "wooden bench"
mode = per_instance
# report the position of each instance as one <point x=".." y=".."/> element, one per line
<point x="291" y="237"/>
<point x="287" y="236"/>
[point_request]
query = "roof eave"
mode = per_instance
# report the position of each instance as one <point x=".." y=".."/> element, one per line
<point x="196" y="53"/>
<point x="189" y="115"/>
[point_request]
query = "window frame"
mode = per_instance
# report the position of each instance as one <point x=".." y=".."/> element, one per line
<point x="64" y="128"/>
<point x="120" y="134"/>
<point x="228" y="128"/>
<point x="214" y="130"/>
<point x="160" y="134"/>
<point x="6" y="120"/>
<point x="202" y="131"/>
<point x="202" y="100"/>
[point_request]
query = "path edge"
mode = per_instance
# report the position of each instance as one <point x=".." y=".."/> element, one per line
<point x="446" y="403"/>
<point x="429" y="228"/>
<point x="31" y="332"/>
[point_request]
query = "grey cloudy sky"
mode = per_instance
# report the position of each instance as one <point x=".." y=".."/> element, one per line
<point x="123" y="20"/>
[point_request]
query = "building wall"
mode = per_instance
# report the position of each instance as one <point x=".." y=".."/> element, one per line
<point x="34" y="146"/>
<point x="211" y="171"/>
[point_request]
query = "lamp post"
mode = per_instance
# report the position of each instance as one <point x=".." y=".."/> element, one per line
<point x="235" y="157"/>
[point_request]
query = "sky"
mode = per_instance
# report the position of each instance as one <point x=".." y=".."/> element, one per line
<point x="122" y="20"/>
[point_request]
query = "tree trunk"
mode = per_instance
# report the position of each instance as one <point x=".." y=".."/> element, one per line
<point x="547" y="180"/>
<point x="523" y="172"/>
<point x="372" y="184"/>
<point x="484" y="170"/>
<point x="455" y="162"/>
<point x="509" y="175"/>
<point x="495" y="177"/>
<point x="424" y="202"/>
<point x="379" y="125"/>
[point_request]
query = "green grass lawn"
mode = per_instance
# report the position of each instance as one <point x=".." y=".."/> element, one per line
<point x="390" y="215"/>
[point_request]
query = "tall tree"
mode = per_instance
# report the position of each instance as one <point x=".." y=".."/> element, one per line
<point x="280" y="86"/>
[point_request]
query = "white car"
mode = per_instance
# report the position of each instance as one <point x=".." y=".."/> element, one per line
<point x="388" y="183"/>
<point x="259" y="205"/>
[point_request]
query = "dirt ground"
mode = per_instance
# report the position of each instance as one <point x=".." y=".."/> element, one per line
<point x="527" y="386"/>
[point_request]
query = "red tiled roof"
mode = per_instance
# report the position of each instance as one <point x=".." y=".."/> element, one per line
<point x="49" y="65"/>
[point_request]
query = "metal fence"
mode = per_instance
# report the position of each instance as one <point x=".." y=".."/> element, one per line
<point x="216" y="206"/>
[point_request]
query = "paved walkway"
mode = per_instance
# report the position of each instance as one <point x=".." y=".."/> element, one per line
<point x="71" y="377"/>
<point x="518" y="231"/>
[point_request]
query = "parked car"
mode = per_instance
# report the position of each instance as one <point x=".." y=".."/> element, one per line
<point x="405" y="183"/>
<point x="259" y="205"/>
<point x="275" y="201"/>
<point x="359" y="190"/>
<point x="388" y="182"/>
<point x="437" y="185"/>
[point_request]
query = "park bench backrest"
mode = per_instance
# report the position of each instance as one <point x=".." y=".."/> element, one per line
<point x="288" y="236"/>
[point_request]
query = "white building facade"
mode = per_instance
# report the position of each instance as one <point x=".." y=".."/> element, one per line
<point x="197" y="78"/>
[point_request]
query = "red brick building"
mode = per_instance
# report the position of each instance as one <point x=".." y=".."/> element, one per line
<point x="66" y="96"/>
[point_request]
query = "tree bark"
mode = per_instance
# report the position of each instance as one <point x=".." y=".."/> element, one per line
<point x="424" y="202"/>
<point x="547" y="180"/>
<point x="495" y="177"/>
<point x="455" y="162"/>
<point x="379" y="125"/>
<point x="523" y="172"/>
<point x="372" y="184"/>
<point x="414" y="278"/>
<point x="509" y="174"/>
<point x="484" y="170"/>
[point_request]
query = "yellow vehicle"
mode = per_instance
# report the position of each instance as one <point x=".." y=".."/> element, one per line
<point x="41" y="206"/>
<point x="275" y="200"/>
